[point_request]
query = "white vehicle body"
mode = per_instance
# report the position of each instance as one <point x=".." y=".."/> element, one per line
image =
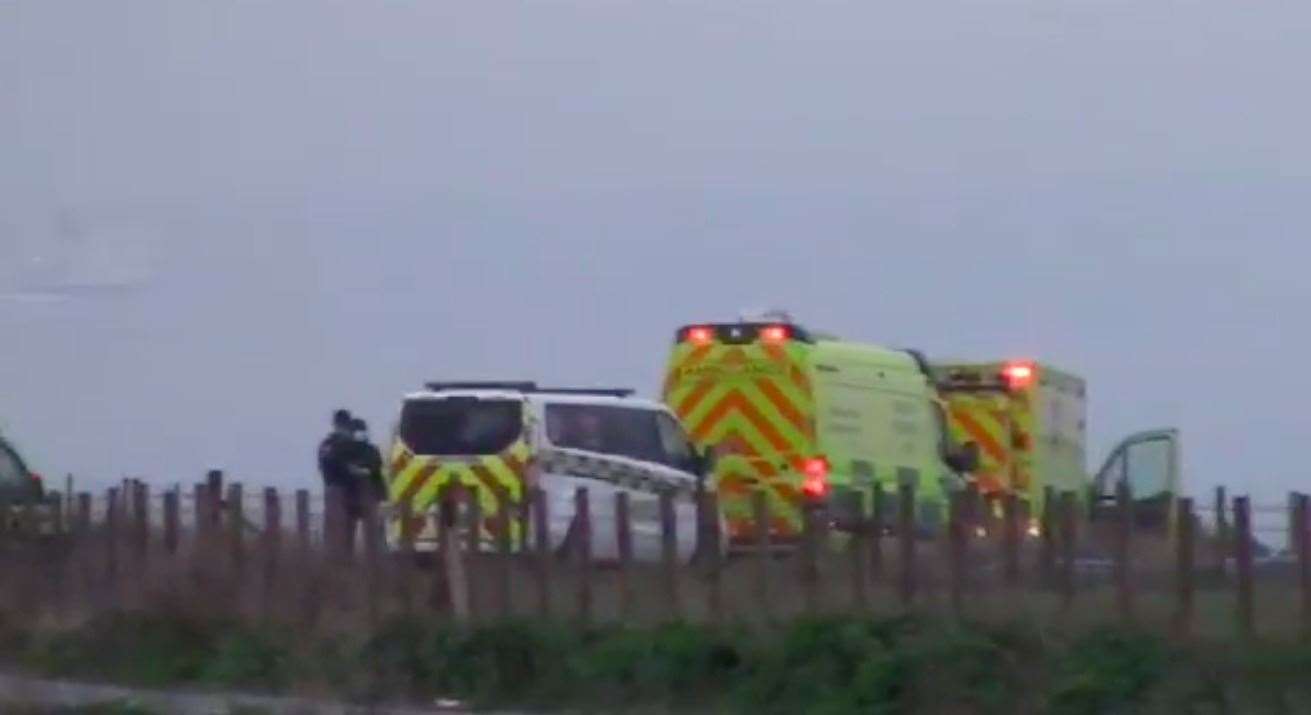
<point x="560" y="468"/>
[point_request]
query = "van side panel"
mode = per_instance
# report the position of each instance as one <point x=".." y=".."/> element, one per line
<point x="875" y="424"/>
<point x="1061" y="418"/>
<point x="753" y="404"/>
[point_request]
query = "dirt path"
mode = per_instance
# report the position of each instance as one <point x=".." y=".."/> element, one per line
<point x="33" y="691"/>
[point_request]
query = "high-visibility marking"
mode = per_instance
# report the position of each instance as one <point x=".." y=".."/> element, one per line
<point x="416" y="483"/>
<point x="721" y="409"/>
<point x="734" y="483"/>
<point x="694" y="398"/>
<point x="787" y="492"/>
<point x="799" y="379"/>
<point x="762" y="424"/>
<point x="980" y="433"/>
<point x="401" y="461"/>
<point x="776" y="353"/>
<point x="783" y="405"/>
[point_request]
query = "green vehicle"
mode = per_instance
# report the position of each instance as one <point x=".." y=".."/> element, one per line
<point x="808" y="419"/>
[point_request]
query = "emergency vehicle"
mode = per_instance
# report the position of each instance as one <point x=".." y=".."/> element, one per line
<point x="804" y="417"/>
<point x="1030" y="422"/>
<point x="501" y="439"/>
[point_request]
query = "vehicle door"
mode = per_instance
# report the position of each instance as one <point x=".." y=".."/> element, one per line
<point x="1148" y="462"/>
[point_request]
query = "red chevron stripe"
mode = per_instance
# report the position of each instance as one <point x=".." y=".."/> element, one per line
<point x="783" y="405"/>
<point x="420" y="479"/>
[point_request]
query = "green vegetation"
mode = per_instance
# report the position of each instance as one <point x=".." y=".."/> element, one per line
<point x="838" y="665"/>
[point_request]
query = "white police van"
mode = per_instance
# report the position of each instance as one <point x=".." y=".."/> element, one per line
<point x="502" y="439"/>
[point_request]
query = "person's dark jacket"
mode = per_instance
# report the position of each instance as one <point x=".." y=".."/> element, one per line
<point x="364" y="463"/>
<point x="334" y="461"/>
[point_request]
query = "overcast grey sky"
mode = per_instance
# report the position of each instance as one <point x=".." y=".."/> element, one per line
<point x="342" y="199"/>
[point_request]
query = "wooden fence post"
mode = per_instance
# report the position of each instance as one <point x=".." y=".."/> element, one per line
<point x="624" y="550"/>
<point x="236" y="523"/>
<point x="1243" y="557"/>
<point x="1069" y="538"/>
<point x="583" y="552"/>
<point x="906" y="536"/>
<point x="1302" y="529"/>
<point x="303" y="539"/>
<point x="1223" y="538"/>
<point x="1184" y="568"/>
<point x="708" y="545"/>
<point x="956" y="533"/>
<point x="473" y="559"/>
<point x="214" y="484"/>
<point x="141" y="531"/>
<point x="859" y="560"/>
<point x="452" y="563"/>
<point x="542" y="536"/>
<point x="669" y="554"/>
<point x="171" y="523"/>
<point x="810" y="544"/>
<point x="1047" y="536"/>
<point x="83" y="513"/>
<point x="272" y="547"/>
<point x="764" y="559"/>
<point x="407" y="532"/>
<point x="373" y="572"/>
<point x="1011" y="538"/>
<point x="504" y="547"/>
<point x="57" y="514"/>
<point x="1123" y="552"/>
<point x="111" y="545"/>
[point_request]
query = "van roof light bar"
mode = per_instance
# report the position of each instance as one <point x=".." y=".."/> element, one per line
<point x="493" y="385"/>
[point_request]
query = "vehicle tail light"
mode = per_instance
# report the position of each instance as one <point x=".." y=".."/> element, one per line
<point x="815" y="470"/>
<point x="1019" y="375"/>
<point x="775" y="334"/>
<point x="700" y="335"/>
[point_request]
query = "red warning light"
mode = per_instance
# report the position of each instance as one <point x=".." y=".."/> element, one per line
<point x="1018" y="375"/>
<point x="815" y="470"/>
<point x="775" y="334"/>
<point x="700" y="335"/>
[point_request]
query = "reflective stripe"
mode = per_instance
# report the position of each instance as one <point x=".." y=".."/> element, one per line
<point x="754" y="403"/>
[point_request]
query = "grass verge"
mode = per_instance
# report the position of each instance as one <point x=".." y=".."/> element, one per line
<point x="835" y="665"/>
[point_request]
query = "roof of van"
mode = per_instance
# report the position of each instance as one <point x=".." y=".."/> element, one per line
<point x="865" y="353"/>
<point x="547" y="397"/>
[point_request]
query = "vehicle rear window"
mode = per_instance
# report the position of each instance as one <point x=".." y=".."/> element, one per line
<point x="621" y="431"/>
<point x="461" y="425"/>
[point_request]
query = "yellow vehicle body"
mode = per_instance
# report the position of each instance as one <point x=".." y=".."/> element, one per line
<point x="804" y="419"/>
<point x="1028" y="420"/>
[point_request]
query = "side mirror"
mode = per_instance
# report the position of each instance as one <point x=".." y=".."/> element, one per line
<point x="964" y="458"/>
<point x="703" y="462"/>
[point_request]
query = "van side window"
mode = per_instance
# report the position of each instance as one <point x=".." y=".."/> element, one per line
<point x="673" y="439"/>
<point x="607" y="429"/>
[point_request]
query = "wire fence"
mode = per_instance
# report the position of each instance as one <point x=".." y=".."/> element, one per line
<point x="302" y="558"/>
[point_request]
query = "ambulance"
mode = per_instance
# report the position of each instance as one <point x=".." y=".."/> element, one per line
<point x="1029" y="420"/>
<point x="501" y="439"/>
<point x="806" y="419"/>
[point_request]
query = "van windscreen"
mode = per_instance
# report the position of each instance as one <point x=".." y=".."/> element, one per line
<point x="461" y="425"/>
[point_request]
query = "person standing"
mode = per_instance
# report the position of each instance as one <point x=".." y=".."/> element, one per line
<point x="334" y="461"/>
<point x="364" y="463"/>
